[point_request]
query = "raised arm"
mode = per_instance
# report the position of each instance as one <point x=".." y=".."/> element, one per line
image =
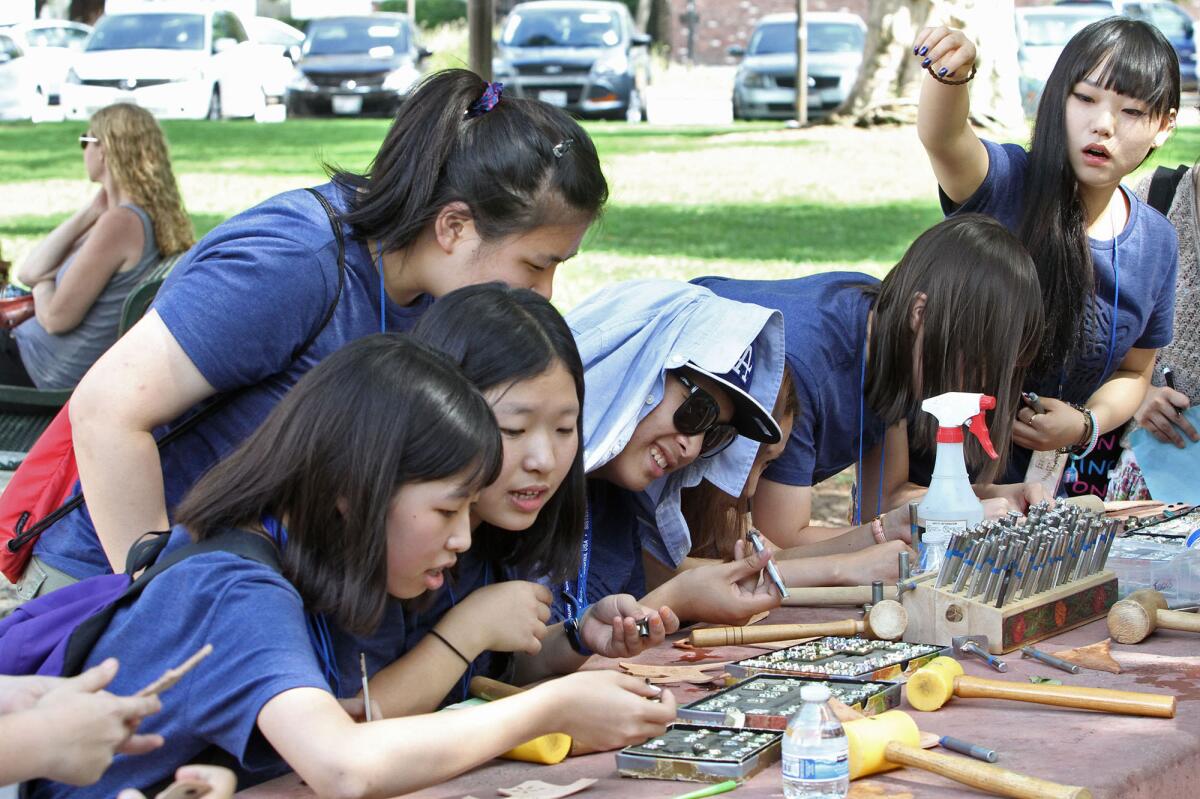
<point x="958" y="157"/>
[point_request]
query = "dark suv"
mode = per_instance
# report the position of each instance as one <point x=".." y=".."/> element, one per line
<point x="355" y="65"/>
<point x="582" y="55"/>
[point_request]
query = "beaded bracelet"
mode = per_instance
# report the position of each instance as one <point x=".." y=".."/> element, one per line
<point x="1091" y="434"/>
<point x="948" y="82"/>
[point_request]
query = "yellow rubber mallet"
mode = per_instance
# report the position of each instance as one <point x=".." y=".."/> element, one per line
<point x="932" y="686"/>
<point x="891" y="740"/>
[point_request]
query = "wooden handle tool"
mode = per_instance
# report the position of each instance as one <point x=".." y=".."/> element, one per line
<point x="983" y="776"/>
<point x="887" y="621"/>
<point x="1134" y="618"/>
<point x="833" y="595"/>
<point x="491" y="690"/>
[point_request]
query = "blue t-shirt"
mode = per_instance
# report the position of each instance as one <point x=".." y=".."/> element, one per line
<point x="615" y="563"/>
<point x="240" y="304"/>
<point x="1147" y="253"/>
<point x="825" y="324"/>
<point x="255" y="620"/>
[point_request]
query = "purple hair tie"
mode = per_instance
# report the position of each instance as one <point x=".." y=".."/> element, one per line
<point x="488" y="101"/>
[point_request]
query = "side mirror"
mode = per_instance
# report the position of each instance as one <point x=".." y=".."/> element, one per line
<point x="737" y="51"/>
<point x="423" y="53"/>
<point x="641" y="39"/>
<point x="224" y="44"/>
<point x="293" y="53"/>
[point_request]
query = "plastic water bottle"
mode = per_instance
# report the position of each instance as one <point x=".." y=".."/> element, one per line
<point x="816" y="755"/>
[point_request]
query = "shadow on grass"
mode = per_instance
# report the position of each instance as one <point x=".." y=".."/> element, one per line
<point x="800" y="232"/>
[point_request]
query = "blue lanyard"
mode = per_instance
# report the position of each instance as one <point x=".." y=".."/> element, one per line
<point x="382" y="296"/>
<point x="577" y="603"/>
<point x="318" y="627"/>
<point x="862" y="414"/>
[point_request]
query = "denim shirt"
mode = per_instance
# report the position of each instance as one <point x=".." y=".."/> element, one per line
<point x="629" y="335"/>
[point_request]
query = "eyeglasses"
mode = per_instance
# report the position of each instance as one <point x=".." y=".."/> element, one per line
<point x="85" y="140"/>
<point x="700" y="413"/>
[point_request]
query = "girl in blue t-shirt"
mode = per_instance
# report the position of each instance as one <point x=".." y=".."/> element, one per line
<point x="468" y="186"/>
<point x="363" y="477"/>
<point x="1105" y="260"/>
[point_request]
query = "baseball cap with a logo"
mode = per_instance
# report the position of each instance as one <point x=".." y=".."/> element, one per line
<point x="750" y="418"/>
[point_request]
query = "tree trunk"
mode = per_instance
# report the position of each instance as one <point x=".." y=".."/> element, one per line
<point x="642" y="18"/>
<point x="889" y="81"/>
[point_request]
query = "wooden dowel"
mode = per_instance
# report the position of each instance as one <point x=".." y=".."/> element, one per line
<point x="736" y="636"/>
<point x="491" y="690"/>
<point x="984" y="776"/>
<point x="1128" y="703"/>
<point x="1178" y="620"/>
<point x="832" y="595"/>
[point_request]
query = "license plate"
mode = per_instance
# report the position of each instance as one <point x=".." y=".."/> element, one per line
<point x="553" y="97"/>
<point x="347" y="104"/>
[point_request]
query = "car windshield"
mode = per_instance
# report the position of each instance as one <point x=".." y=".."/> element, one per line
<point x="823" y="37"/>
<point x="157" y="31"/>
<point x="55" y="36"/>
<point x="375" y="37"/>
<point x="562" y="28"/>
<point x="1054" y="30"/>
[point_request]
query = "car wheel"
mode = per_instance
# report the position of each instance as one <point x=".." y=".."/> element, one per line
<point x="737" y="109"/>
<point x="635" y="111"/>
<point x="214" y="105"/>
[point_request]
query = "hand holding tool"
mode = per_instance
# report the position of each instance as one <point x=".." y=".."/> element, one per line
<point x="1049" y="660"/>
<point x="932" y="686"/>
<point x="1134" y="618"/>
<point x="890" y="740"/>
<point x="886" y="621"/>
<point x="977" y="645"/>
<point x="756" y="541"/>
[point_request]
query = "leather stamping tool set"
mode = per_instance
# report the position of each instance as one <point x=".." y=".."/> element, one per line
<point x="767" y="701"/>
<point x="701" y="754"/>
<point x="832" y="656"/>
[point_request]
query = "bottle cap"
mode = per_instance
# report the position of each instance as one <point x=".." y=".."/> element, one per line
<point x="815" y="693"/>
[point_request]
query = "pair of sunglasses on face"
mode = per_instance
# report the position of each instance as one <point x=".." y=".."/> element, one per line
<point x="85" y="140"/>
<point x="700" y="413"/>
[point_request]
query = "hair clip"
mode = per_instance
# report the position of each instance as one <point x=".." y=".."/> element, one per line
<point x="563" y="147"/>
<point x="486" y="102"/>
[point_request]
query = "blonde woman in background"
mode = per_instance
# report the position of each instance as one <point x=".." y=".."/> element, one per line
<point x="81" y="273"/>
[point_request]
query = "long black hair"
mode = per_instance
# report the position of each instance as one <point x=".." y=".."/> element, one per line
<point x="1135" y="60"/>
<point x="979" y="329"/>
<point x="500" y="336"/>
<point x="381" y="412"/>
<point x="521" y="165"/>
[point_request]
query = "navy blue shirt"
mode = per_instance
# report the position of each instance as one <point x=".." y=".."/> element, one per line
<point x="240" y="304"/>
<point x="825" y="324"/>
<point x="1147" y="254"/>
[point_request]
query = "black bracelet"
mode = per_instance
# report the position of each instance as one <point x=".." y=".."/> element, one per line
<point x="947" y="82"/>
<point x="453" y="648"/>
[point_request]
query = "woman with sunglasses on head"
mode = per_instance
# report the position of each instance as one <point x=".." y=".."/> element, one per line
<point x="82" y="272"/>
<point x="468" y="186"/>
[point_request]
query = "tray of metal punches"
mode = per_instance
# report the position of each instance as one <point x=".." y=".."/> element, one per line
<point x="767" y="701"/>
<point x="701" y="754"/>
<point x="1007" y="560"/>
<point x="834" y="656"/>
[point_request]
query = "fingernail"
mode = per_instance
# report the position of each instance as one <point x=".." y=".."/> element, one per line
<point x="647" y="679"/>
<point x="942" y="72"/>
<point x="916" y="50"/>
<point x="924" y="50"/>
<point x="926" y="62"/>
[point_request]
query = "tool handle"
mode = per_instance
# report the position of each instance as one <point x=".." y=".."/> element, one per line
<point x="1178" y="620"/>
<point x="1128" y="703"/>
<point x="491" y="690"/>
<point x="736" y="636"/>
<point x="984" y="776"/>
<point x="828" y="596"/>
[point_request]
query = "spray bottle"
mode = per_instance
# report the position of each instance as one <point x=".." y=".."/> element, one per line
<point x="950" y="504"/>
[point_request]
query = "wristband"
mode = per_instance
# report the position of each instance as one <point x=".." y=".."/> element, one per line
<point x="574" y="640"/>
<point x="947" y="81"/>
<point x="1093" y="436"/>
<point x="451" y="646"/>
<point x="877" y="530"/>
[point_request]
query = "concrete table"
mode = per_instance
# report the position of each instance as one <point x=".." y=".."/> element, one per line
<point x="1117" y="757"/>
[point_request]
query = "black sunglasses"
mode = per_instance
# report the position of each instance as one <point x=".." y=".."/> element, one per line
<point x="700" y="413"/>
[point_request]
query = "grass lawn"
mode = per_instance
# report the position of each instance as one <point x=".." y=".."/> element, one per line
<point x="751" y="200"/>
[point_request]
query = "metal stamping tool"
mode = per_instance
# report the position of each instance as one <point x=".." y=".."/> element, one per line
<point x="969" y="749"/>
<point x="905" y="566"/>
<point x="876" y="592"/>
<point x="976" y="645"/>
<point x="1049" y="660"/>
<point x="643" y="627"/>
<point x="772" y="572"/>
<point x="914" y="532"/>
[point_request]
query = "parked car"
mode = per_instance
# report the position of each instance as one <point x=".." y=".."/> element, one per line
<point x="1042" y="33"/>
<point x="765" y="84"/>
<point x="1173" y="21"/>
<point x="356" y="65"/>
<point x="277" y="34"/>
<point x="181" y="61"/>
<point x="581" y="55"/>
<point x="44" y="52"/>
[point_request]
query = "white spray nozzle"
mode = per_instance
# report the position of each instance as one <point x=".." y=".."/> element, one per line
<point x="956" y="408"/>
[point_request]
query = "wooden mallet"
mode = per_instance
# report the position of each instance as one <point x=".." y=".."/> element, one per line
<point x="886" y="621"/>
<point x="891" y="740"/>
<point x="1138" y="615"/>
<point x="932" y="685"/>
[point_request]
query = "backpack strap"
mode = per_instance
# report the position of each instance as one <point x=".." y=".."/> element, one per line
<point x="1163" y="186"/>
<point x="23" y="536"/>
<point x="250" y="546"/>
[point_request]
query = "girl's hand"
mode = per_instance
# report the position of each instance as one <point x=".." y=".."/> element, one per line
<point x="22" y="693"/>
<point x="947" y="51"/>
<point x="509" y="616"/>
<point x="603" y="710"/>
<point x="221" y="782"/>
<point x="879" y="562"/>
<point x="610" y="626"/>
<point x="1000" y="499"/>
<point x="727" y="593"/>
<point x="1060" y="426"/>
<point x="1160" y="413"/>
<point x="896" y="525"/>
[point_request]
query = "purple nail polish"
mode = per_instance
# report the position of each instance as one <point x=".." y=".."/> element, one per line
<point x="915" y="49"/>
<point x="926" y="63"/>
<point x="942" y="72"/>
<point x="924" y="50"/>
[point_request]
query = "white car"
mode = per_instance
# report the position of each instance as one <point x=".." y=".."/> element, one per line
<point x="34" y="59"/>
<point x="177" y="61"/>
<point x="276" y="33"/>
